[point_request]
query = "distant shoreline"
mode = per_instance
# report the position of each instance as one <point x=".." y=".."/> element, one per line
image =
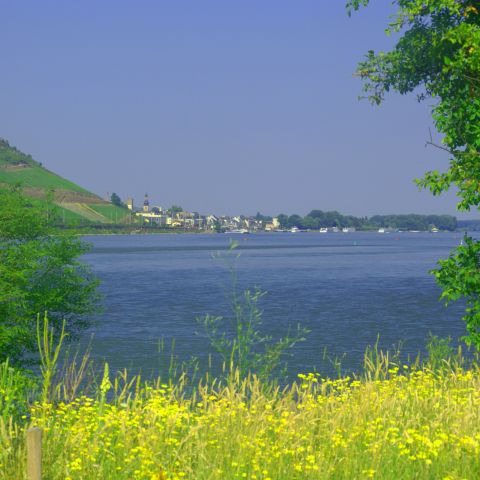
<point x="80" y="232"/>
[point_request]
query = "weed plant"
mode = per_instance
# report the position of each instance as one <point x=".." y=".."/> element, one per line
<point x="238" y="338"/>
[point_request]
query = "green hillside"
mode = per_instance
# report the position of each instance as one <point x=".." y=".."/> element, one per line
<point x="75" y="204"/>
<point x="114" y="213"/>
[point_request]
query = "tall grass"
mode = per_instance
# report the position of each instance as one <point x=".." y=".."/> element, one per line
<point x="394" y="421"/>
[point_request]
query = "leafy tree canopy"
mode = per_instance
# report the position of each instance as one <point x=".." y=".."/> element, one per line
<point x="438" y="55"/>
<point x="263" y="218"/>
<point x="282" y="219"/>
<point x="116" y="200"/>
<point x="39" y="271"/>
<point x="175" y="209"/>
<point x="318" y="218"/>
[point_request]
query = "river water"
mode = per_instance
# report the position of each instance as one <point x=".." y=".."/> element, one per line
<point x="345" y="288"/>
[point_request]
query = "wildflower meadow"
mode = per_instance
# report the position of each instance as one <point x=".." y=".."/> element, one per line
<point x="394" y="421"/>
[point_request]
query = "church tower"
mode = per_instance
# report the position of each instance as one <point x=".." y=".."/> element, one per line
<point x="146" y="204"/>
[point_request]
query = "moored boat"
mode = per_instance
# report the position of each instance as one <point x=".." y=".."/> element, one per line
<point x="243" y="231"/>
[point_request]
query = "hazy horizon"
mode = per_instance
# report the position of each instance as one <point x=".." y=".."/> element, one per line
<point x="220" y="108"/>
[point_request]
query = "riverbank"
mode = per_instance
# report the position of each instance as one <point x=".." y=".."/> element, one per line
<point x="126" y="230"/>
<point x="129" y="230"/>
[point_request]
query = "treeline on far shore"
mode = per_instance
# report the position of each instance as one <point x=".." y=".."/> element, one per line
<point x="471" y="225"/>
<point x="318" y="218"/>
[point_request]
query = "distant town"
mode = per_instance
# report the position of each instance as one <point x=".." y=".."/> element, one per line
<point x="176" y="217"/>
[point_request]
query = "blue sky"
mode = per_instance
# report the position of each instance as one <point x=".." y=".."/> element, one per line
<point x="219" y="106"/>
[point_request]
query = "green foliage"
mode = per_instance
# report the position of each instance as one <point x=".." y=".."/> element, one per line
<point x="49" y="347"/>
<point x="459" y="276"/>
<point x="470" y="225"/>
<point x="20" y="218"/>
<point x="294" y="221"/>
<point x="414" y="222"/>
<point x="263" y="218"/>
<point x="116" y="200"/>
<point x="16" y="166"/>
<point x="218" y="227"/>
<point x="438" y="55"/>
<point x="10" y="155"/>
<point x="318" y="218"/>
<point x="39" y="271"/>
<point x="282" y="220"/>
<point x="175" y="209"/>
<point x="238" y="338"/>
<point x="440" y="352"/>
<point x="17" y="388"/>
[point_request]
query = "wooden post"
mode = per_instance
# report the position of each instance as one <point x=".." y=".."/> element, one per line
<point x="34" y="454"/>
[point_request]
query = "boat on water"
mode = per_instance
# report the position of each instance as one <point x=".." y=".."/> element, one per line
<point x="381" y="230"/>
<point x="323" y="230"/>
<point x="345" y="229"/>
<point x="294" y="230"/>
<point x="434" y="230"/>
<point x="242" y="231"/>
